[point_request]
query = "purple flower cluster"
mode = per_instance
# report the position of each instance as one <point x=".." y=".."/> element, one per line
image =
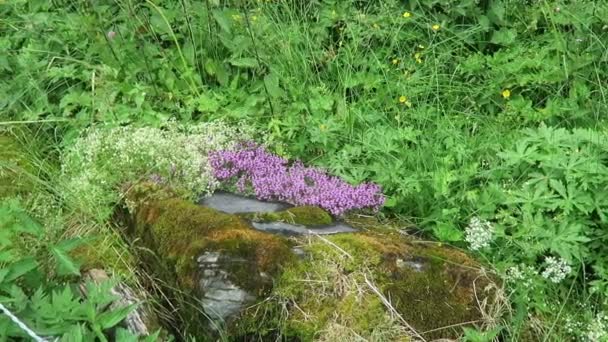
<point x="274" y="178"/>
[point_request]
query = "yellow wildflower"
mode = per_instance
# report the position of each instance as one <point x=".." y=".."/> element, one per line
<point x="322" y="128"/>
<point x="407" y="14"/>
<point x="506" y="93"/>
<point x="395" y="61"/>
<point x="403" y="100"/>
<point x="376" y="26"/>
<point x="418" y="57"/>
<point x="421" y="47"/>
<point x="436" y="27"/>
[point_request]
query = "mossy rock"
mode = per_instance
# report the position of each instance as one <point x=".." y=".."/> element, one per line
<point x="373" y="284"/>
<point x="196" y="247"/>
<point x="305" y="215"/>
<point x="341" y="291"/>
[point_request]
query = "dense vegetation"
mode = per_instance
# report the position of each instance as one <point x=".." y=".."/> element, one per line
<point x="483" y="121"/>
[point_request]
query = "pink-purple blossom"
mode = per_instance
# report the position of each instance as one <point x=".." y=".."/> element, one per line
<point x="270" y="177"/>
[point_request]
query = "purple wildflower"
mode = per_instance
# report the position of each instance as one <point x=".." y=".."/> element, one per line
<point x="274" y="178"/>
<point x="157" y="179"/>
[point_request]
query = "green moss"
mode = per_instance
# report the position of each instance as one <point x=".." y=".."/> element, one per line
<point x="331" y="293"/>
<point x="182" y="231"/>
<point x="106" y="252"/>
<point x="13" y="168"/>
<point x="305" y="215"/>
<point x="178" y="232"/>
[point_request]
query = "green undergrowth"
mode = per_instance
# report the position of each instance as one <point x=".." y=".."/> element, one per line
<point x="40" y="271"/>
<point x="491" y="110"/>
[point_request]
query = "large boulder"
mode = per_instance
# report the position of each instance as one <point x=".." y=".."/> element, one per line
<point x="375" y="283"/>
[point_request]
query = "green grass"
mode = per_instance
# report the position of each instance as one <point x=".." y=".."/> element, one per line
<point x="318" y="77"/>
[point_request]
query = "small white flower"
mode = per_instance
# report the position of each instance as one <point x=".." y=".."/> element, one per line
<point x="597" y="330"/>
<point x="479" y="233"/>
<point x="556" y="270"/>
<point x="521" y="274"/>
<point x="103" y="159"/>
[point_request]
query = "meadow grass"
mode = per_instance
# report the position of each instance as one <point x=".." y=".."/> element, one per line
<point x="459" y="109"/>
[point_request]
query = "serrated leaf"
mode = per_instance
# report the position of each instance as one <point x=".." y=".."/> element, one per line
<point x="221" y="17"/>
<point x="109" y="319"/>
<point x="21" y="267"/>
<point x="558" y="186"/>
<point x="158" y="23"/>
<point x="447" y="232"/>
<point x="65" y="264"/>
<point x="504" y="37"/>
<point x="245" y="62"/>
<point x="272" y="85"/>
<point x="69" y="244"/>
<point x="125" y="335"/>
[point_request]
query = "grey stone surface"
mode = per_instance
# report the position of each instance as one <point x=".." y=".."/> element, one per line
<point x="221" y="298"/>
<point x="292" y="229"/>
<point x="417" y="264"/>
<point x="231" y="203"/>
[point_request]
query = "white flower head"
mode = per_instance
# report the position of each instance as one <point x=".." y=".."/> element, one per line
<point x="479" y="233"/>
<point x="556" y="270"/>
<point x="597" y="330"/>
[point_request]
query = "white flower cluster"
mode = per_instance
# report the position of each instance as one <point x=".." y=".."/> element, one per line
<point x="479" y="233"/>
<point x="556" y="270"/>
<point x="597" y="330"/>
<point x="104" y="159"/>
<point x="522" y="274"/>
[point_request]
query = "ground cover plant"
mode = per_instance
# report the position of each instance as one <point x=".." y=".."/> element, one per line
<point x="483" y="121"/>
<point x="269" y="177"/>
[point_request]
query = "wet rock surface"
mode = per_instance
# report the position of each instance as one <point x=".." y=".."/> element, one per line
<point x="221" y="297"/>
<point x="292" y="229"/>
<point x="232" y="203"/>
<point x="277" y="217"/>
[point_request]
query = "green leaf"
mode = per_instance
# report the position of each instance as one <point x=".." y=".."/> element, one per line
<point x="69" y="244"/>
<point x="20" y="268"/>
<point x="504" y="37"/>
<point x="158" y="24"/>
<point x="110" y="318"/>
<point x="207" y="104"/>
<point x="65" y="264"/>
<point x="447" y="232"/>
<point x="272" y="85"/>
<point x="221" y="17"/>
<point x="390" y="202"/>
<point x="125" y="335"/>
<point x="3" y="273"/>
<point x="245" y="62"/>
